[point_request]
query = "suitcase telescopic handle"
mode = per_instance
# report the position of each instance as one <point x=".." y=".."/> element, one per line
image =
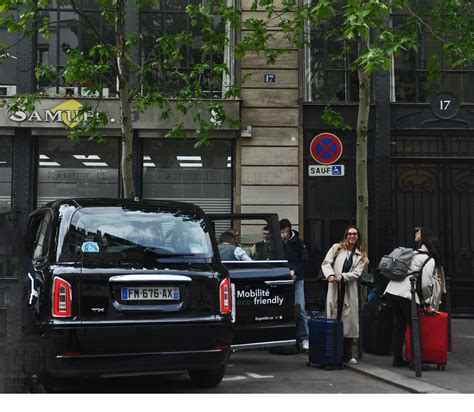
<point x="341" y="291"/>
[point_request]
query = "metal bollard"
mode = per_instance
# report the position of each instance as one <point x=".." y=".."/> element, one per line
<point x="448" y="309"/>
<point x="415" y="330"/>
<point x="359" y="341"/>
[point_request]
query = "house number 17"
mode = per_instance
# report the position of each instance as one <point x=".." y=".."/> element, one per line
<point x="443" y="104"/>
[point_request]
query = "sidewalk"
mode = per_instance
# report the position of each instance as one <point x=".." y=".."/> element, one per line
<point x="457" y="378"/>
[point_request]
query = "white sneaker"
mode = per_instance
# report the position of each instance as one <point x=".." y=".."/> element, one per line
<point x="353" y="361"/>
<point x="305" y="345"/>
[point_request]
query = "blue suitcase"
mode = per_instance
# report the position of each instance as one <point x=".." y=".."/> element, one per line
<point x="326" y="343"/>
<point x="326" y="339"/>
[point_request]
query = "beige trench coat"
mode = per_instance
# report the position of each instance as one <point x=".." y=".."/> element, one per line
<point x="333" y="266"/>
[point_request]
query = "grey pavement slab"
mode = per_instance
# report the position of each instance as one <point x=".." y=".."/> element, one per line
<point x="458" y="377"/>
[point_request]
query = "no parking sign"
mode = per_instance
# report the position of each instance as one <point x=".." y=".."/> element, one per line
<point x="326" y="148"/>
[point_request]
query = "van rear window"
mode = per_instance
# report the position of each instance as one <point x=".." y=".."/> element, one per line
<point x="116" y="233"/>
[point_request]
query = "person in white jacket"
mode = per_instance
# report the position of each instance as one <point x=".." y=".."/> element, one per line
<point x="399" y="295"/>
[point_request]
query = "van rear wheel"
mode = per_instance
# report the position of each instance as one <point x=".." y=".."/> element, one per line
<point x="207" y="378"/>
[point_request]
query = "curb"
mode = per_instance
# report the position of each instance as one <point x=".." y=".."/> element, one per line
<point x="412" y="385"/>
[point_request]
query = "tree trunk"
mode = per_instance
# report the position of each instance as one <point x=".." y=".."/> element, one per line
<point x="123" y="79"/>
<point x="362" y="192"/>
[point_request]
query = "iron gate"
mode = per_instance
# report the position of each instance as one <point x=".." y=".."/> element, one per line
<point x="433" y="186"/>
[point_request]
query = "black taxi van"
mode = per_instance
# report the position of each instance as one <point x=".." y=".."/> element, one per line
<point x="117" y="287"/>
<point x="120" y="286"/>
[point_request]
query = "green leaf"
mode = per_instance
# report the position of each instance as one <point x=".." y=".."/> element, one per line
<point x="176" y="131"/>
<point x="334" y="118"/>
<point x="434" y="69"/>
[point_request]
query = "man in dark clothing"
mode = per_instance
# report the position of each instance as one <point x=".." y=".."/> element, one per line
<point x="297" y="256"/>
<point x="265" y="249"/>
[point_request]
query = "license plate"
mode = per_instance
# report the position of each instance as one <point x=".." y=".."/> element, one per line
<point x="150" y="293"/>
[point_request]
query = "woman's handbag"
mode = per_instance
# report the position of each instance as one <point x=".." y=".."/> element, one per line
<point x="321" y="280"/>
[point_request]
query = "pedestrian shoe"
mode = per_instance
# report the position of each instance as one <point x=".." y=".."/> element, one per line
<point x="305" y="345"/>
<point x="353" y="361"/>
<point x="399" y="363"/>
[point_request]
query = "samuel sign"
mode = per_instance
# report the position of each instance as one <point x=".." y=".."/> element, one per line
<point x="66" y="113"/>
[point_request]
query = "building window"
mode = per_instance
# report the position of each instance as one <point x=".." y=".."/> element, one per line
<point x="8" y="65"/>
<point x="6" y="157"/>
<point x="175" y="170"/>
<point x="70" y="30"/>
<point x="82" y="168"/>
<point x="74" y="30"/>
<point x="167" y="17"/>
<point x="412" y="82"/>
<point x="328" y="75"/>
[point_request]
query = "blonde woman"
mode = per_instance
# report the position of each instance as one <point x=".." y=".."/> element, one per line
<point x="345" y="262"/>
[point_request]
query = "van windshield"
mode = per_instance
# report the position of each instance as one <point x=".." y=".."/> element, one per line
<point x="134" y="236"/>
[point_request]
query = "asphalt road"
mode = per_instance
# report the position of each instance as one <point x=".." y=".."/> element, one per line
<point x="247" y="372"/>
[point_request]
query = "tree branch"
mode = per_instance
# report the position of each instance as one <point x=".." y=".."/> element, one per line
<point x="91" y="26"/>
<point x="425" y="24"/>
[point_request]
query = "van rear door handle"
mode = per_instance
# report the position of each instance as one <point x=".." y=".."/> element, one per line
<point x="150" y="278"/>
<point x="279" y="282"/>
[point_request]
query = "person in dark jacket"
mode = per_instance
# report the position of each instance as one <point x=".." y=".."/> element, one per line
<point x="265" y="249"/>
<point x="297" y="256"/>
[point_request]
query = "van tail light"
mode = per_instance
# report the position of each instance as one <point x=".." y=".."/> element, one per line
<point x="62" y="298"/>
<point x="225" y="297"/>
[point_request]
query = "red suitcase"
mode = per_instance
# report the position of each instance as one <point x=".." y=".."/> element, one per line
<point x="434" y="339"/>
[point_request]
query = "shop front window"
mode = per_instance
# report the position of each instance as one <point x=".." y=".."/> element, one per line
<point x="175" y="170"/>
<point x="82" y="168"/>
<point x="6" y="154"/>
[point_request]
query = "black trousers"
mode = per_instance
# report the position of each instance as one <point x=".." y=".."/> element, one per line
<point x="401" y="318"/>
<point x="348" y="349"/>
